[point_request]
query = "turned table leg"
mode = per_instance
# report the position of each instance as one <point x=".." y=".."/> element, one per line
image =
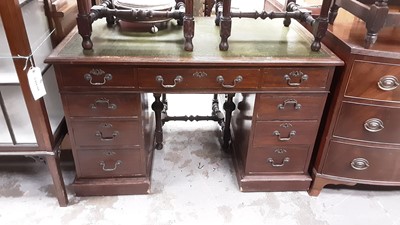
<point x="225" y="25"/>
<point x="84" y="23"/>
<point x="158" y="107"/>
<point x="229" y="107"/>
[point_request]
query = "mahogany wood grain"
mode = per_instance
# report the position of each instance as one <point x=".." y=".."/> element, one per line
<point x="290" y="106"/>
<point x="278" y="159"/>
<point x="110" y="163"/>
<point x="102" y="105"/>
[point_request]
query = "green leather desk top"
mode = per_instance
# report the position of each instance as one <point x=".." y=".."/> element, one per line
<point x="251" y="42"/>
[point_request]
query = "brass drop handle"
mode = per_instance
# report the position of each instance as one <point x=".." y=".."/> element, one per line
<point x="373" y="125"/>
<point x="103" y="101"/>
<point x="303" y="77"/>
<point x="221" y="80"/>
<point x="102" y="138"/>
<point x="97" y="72"/>
<point x="388" y="83"/>
<point x="272" y="162"/>
<point x="291" y="134"/>
<point x="160" y="79"/>
<point x="297" y="106"/>
<point x="103" y="165"/>
<point x="359" y="164"/>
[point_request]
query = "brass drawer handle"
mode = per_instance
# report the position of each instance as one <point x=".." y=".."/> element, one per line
<point x="100" y="134"/>
<point x="373" y="125"/>
<point x="388" y="83"/>
<point x="160" y="79"/>
<point x="297" y="106"/>
<point x="272" y="162"/>
<point x="97" y="72"/>
<point x="359" y="164"/>
<point x="221" y="80"/>
<point x="103" y="101"/>
<point x="303" y="77"/>
<point x="291" y="134"/>
<point x="103" y="165"/>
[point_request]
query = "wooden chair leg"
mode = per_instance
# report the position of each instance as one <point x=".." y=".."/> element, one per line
<point x="53" y="163"/>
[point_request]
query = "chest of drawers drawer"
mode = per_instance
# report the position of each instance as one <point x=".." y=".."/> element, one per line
<point x="284" y="132"/>
<point x="296" y="78"/>
<point x="200" y="78"/>
<point x="377" y="81"/>
<point x="362" y="162"/>
<point x="368" y="123"/>
<point x="110" y="163"/>
<point x="96" y="76"/>
<point x="278" y="159"/>
<point x="106" y="133"/>
<point x="104" y="105"/>
<point x="290" y="106"/>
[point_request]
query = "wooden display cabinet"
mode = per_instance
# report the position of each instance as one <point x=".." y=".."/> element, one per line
<point x="29" y="127"/>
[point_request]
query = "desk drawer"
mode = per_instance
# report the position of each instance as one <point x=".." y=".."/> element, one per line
<point x="103" y="105"/>
<point x="200" y="78"/>
<point x="110" y="163"/>
<point x="105" y="133"/>
<point x="368" y="123"/>
<point x="377" y="81"/>
<point x="284" y="132"/>
<point x="278" y="159"/>
<point x="97" y="76"/>
<point x="296" y="78"/>
<point x="362" y="162"/>
<point x="286" y="106"/>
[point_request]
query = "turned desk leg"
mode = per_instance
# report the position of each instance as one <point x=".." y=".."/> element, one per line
<point x="53" y="163"/>
<point x="229" y="107"/>
<point x="225" y="25"/>
<point x="188" y="25"/>
<point x="158" y="107"/>
<point x="84" y="23"/>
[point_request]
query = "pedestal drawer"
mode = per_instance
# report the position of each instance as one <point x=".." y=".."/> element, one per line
<point x="104" y="105"/>
<point x="198" y="78"/>
<point x="110" y="163"/>
<point x="369" y="123"/>
<point x="284" y="132"/>
<point x="372" y="80"/>
<point x="97" y="76"/>
<point x="362" y="162"/>
<point x="278" y="159"/>
<point x="105" y="133"/>
<point x="299" y="78"/>
<point x="287" y="106"/>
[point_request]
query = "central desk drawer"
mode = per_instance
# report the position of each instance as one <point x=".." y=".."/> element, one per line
<point x="286" y="106"/>
<point x="97" y="76"/>
<point x="296" y="78"/>
<point x="175" y="78"/>
<point x="110" y="163"/>
<point x="284" y="132"/>
<point x="106" y="133"/>
<point x="104" y="105"/>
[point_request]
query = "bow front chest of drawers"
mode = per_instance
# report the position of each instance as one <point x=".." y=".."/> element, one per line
<point x="277" y="87"/>
<point x="361" y="142"/>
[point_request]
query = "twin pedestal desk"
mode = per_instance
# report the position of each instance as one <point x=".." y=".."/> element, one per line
<point x="275" y="88"/>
